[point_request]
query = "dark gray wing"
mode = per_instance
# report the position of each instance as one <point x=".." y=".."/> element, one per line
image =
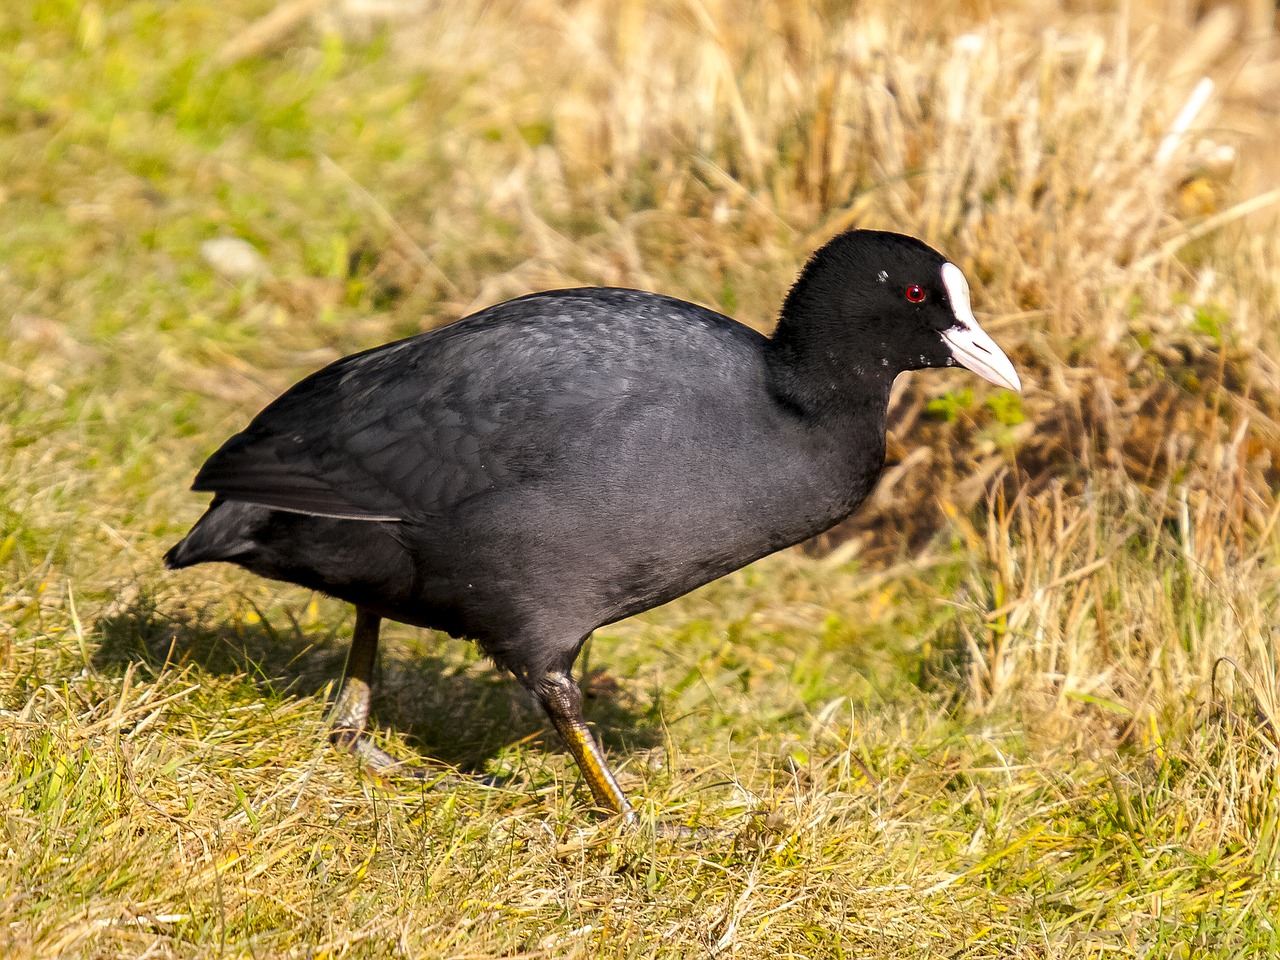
<point x="395" y="433"/>
<point x="414" y="428"/>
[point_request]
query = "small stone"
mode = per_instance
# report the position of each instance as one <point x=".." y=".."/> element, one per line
<point x="233" y="259"/>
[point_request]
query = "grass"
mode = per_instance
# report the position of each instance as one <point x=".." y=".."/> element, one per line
<point x="1025" y="705"/>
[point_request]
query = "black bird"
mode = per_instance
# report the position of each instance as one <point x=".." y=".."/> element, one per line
<point x="567" y="459"/>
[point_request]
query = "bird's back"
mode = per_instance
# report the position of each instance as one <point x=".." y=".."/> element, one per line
<point x="544" y="386"/>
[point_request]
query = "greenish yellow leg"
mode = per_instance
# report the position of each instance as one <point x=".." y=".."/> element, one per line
<point x="563" y="702"/>
<point x="351" y="712"/>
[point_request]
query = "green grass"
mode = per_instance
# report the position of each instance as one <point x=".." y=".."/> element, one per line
<point x="1025" y="706"/>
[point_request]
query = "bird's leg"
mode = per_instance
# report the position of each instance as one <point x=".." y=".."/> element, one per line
<point x="562" y="700"/>
<point x="351" y="712"/>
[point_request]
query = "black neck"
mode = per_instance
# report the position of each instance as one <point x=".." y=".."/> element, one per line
<point x="817" y="369"/>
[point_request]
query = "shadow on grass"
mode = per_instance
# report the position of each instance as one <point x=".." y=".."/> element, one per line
<point x="452" y="705"/>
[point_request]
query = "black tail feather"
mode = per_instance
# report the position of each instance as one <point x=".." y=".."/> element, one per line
<point x="223" y="533"/>
<point x="175" y="558"/>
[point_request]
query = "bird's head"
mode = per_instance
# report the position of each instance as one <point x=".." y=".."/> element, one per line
<point x="879" y="303"/>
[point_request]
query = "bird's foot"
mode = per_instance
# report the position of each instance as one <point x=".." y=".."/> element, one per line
<point x="668" y="831"/>
<point x="387" y="768"/>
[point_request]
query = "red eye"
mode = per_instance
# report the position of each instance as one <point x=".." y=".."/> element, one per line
<point x="915" y="293"/>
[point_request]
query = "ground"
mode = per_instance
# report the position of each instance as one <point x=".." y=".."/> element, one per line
<point x="1024" y="706"/>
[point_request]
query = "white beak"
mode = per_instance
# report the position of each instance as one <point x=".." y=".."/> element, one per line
<point x="969" y="343"/>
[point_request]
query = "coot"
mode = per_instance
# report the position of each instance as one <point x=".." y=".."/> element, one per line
<point x="561" y="461"/>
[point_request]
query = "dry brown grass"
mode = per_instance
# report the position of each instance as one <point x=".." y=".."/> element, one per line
<point x="1072" y="169"/>
<point x="1025" y="705"/>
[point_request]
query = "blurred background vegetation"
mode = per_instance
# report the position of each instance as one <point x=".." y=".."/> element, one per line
<point x="1024" y="704"/>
